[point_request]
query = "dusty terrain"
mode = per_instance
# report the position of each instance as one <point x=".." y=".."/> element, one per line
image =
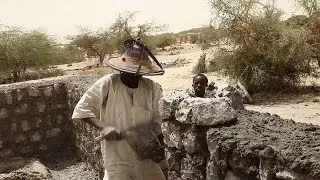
<point x="300" y="107"/>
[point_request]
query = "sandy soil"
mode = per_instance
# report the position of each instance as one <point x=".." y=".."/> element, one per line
<point x="300" y="108"/>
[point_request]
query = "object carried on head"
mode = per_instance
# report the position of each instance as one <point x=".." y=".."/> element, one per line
<point x="136" y="60"/>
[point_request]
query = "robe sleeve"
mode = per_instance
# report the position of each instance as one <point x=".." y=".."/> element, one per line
<point x="91" y="102"/>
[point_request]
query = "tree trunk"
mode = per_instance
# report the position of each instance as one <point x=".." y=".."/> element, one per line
<point x="15" y="76"/>
<point x="101" y="58"/>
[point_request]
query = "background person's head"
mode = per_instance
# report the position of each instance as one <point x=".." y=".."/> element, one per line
<point x="200" y="83"/>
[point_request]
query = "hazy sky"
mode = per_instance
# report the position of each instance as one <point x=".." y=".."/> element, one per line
<point x="61" y="17"/>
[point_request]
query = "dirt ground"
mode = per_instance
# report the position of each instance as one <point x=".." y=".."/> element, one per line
<point x="300" y="107"/>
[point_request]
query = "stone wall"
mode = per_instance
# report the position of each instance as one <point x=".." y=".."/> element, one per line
<point x="84" y="133"/>
<point x="206" y="139"/>
<point x="35" y="120"/>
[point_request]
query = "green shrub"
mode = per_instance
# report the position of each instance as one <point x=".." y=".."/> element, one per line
<point x="260" y="50"/>
<point x="200" y="67"/>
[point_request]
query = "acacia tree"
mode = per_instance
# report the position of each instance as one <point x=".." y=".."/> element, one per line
<point x="95" y="43"/>
<point x="257" y="48"/>
<point x="20" y="51"/>
<point x="111" y="40"/>
<point x="123" y="29"/>
<point x="310" y="6"/>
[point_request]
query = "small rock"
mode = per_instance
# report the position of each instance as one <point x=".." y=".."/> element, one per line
<point x="315" y="100"/>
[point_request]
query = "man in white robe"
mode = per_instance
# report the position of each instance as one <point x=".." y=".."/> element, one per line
<point x="118" y="102"/>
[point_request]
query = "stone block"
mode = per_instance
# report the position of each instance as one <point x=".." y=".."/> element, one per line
<point x="53" y="132"/>
<point x="8" y="96"/>
<point x="233" y="94"/>
<point x="20" y="138"/>
<point x="36" y="137"/>
<point x="4" y="113"/>
<point x="48" y="91"/>
<point x="21" y="93"/>
<point x="169" y="104"/>
<point x="191" y="142"/>
<point x="37" y="122"/>
<point x="22" y="108"/>
<point x="193" y="167"/>
<point x="172" y="135"/>
<point x="25" y="126"/>
<point x="173" y="158"/>
<point x="34" y="92"/>
<point x="205" y="111"/>
<point x="41" y="106"/>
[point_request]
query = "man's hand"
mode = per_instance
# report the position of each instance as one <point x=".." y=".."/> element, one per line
<point x="109" y="134"/>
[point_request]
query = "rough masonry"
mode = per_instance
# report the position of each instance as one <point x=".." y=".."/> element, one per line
<point x="208" y="139"/>
<point x="35" y="121"/>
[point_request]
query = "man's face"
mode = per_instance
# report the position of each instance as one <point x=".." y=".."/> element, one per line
<point x="199" y="85"/>
<point x="131" y="78"/>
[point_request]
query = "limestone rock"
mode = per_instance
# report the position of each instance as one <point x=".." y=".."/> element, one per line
<point x="172" y="136"/>
<point x="247" y="99"/>
<point x="233" y="94"/>
<point x="205" y="111"/>
<point x="169" y="104"/>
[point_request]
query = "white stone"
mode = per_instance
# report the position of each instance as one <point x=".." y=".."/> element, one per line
<point x="247" y="99"/>
<point x="169" y="104"/>
<point x="35" y="137"/>
<point x="19" y="94"/>
<point x="233" y="94"/>
<point x="34" y="92"/>
<point x="205" y="111"/>
<point x="8" y="97"/>
<point x="57" y="88"/>
<point x="3" y="113"/>
<point x="25" y="126"/>
<point x="41" y="106"/>
<point x="48" y="91"/>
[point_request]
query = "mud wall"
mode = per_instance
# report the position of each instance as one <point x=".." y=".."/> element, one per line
<point x="206" y="139"/>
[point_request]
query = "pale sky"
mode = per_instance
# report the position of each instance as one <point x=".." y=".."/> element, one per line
<point x="61" y="17"/>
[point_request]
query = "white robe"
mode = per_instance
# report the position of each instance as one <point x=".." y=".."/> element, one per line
<point x="120" y="106"/>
